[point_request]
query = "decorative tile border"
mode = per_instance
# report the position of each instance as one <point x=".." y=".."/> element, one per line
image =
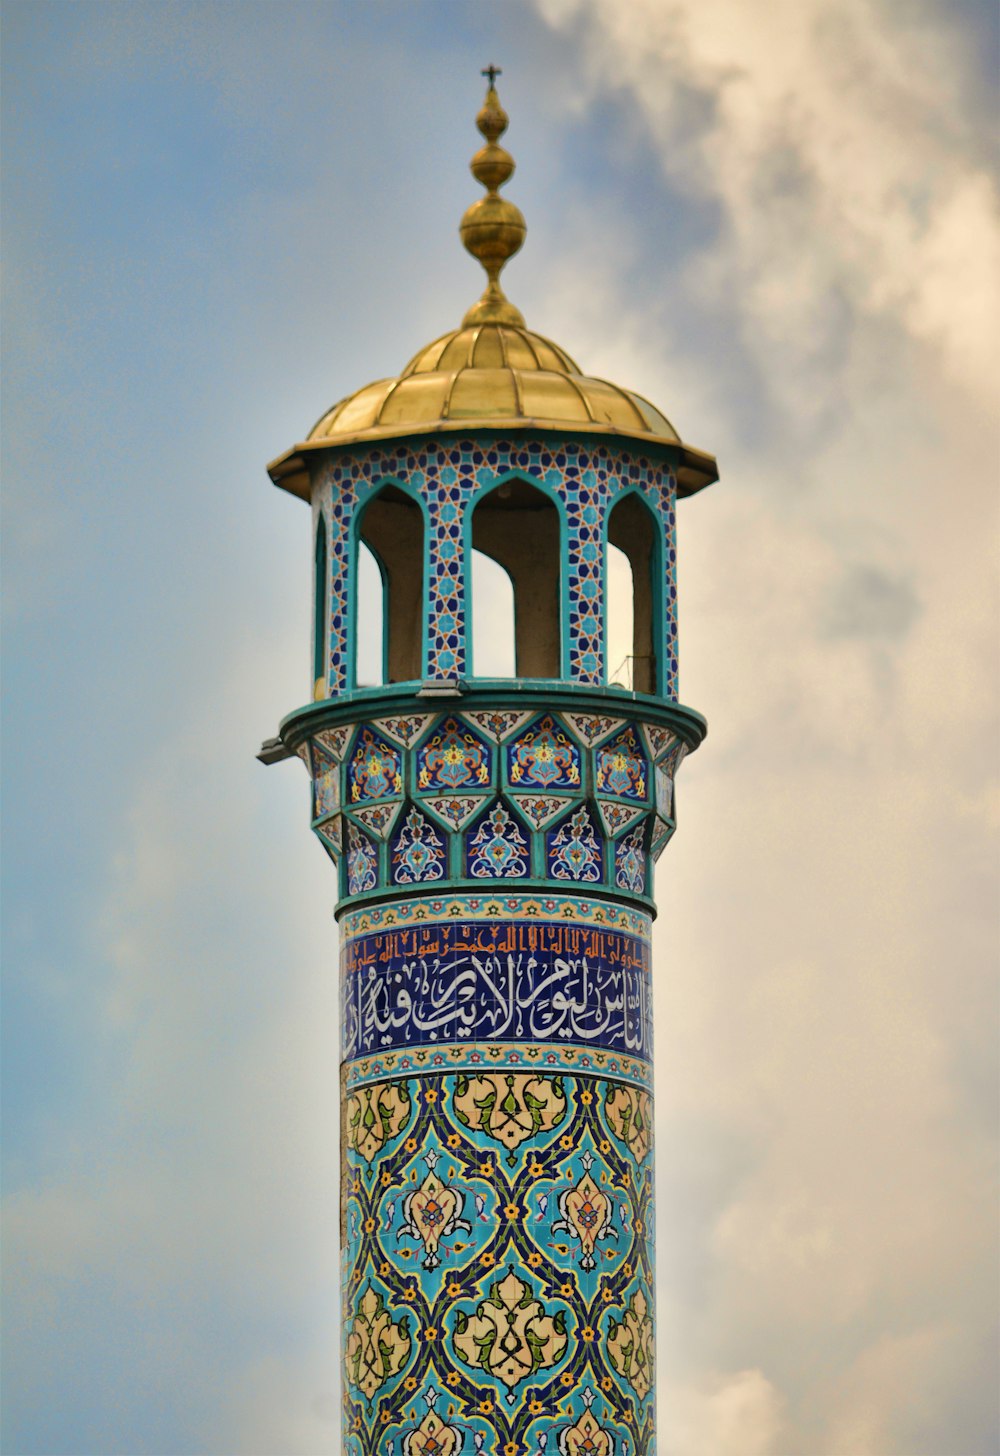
<point x="551" y="801"/>
<point x="503" y="1056"/>
<point x="496" y="979"/>
<point x="430" y="909"/>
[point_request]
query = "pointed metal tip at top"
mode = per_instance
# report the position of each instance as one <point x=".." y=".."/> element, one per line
<point x="492" y="229"/>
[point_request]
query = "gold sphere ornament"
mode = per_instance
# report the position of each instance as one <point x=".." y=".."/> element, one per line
<point x="492" y="229"/>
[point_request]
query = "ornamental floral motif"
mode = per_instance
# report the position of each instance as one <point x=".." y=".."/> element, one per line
<point x="615" y="816"/>
<point x="377" y="1347"/>
<point x="431" y="1213"/>
<point x="379" y="818"/>
<point x="435" y="1437"/>
<point x="544" y="757"/>
<point x="453" y="758"/>
<point x="659" y="739"/>
<point x="621" y="767"/>
<point x="664" y="791"/>
<point x="629" y="1114"/>
<point x="497" y="724"/>
<point x="587" y="1213"/>
<point x="375" y="1115"/>
<point x="510" y="1336"/>
<point x="591" y="727"/>
<point x="630" y="1345"/>
<point x="362" y="862"/>
<point x="404" y="730"/>
<point x="332" y="834"/>
<point x="458" y="809"/>
<point x="375" y="770"/>
<point x="630" y="862"/>
<point x="541" y="809"/>
<point x="587" y="1437"/>
<point x="418" y="851"/>
<point x="326" y="785"/>
<point x="574" y="851"/>
<point x="662" y="832"/>
<point x="335" y="739"/>
<point x="497" y="848"/>
<point x="510" y="1107"/>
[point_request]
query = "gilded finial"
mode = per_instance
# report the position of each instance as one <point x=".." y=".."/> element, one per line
<point x="492" y="228"/>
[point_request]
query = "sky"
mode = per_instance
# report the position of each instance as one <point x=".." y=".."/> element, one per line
<point x="780" y="223"/>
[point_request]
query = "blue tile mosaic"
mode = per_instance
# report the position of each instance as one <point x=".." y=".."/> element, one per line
<point x="453" y="757"/>
<point x="544" y="756"/>
<point x="621" y="767"/>
<point x="574" y="849"/>
<point x="589" y="477"/>
<point x="375" y="770"/>
<point x="497" y="847"/>
<point x="630" y="861"/>
<point x="362" y="862"/>
<point x="417" y="851"/>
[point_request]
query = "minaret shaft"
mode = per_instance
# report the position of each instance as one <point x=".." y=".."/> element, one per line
<point x="494" y="842"/>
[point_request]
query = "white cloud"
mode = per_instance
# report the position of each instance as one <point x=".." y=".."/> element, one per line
<point x="825" y="133"/>
<point x="736" y="1415"/>
<point x="826" y="1221"/>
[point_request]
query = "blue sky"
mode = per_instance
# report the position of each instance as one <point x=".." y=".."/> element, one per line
<point x="781" y="225"/>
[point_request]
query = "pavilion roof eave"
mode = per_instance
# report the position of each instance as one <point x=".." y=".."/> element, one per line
<point x="695" y="469"/>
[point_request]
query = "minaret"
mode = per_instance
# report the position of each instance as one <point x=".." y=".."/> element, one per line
<point x="494" y="842"/>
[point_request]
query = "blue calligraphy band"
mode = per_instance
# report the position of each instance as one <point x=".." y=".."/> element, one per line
<point x="496" y="980"/>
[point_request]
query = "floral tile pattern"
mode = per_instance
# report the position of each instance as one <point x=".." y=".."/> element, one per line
<point x="659" y="739"/>
<point x="615" y="816"/>
<point x="621" y="767"/>
<point x="544" y="756"/>
<point x="326" y="783"/>
<point x="456" y="809"/>
<point x="591" y="727"/>
<point x="539" y="809"/>
<point x="334" y="740"/>
<point x="362" y="862"/>
<point x="375" y="770"/>
<point x="453" y="757"/>
<point x="403" y="730"/>
<point x="497" y="847"/>
<point x="417" y="852"/>
<point x="574" y="850"/>
<point x="497" y="725"/>
<point x="630" y="862"/>
<point x="499" y="1266"/>
<point x="331" y="831"/>
<point x="379" y="818"/>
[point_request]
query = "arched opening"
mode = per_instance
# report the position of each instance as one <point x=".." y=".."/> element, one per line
<point x="632" y="528"/>
<point x="369" y="655"/>
<point x="392" y="526"/>
<point x="320" y="598"/>
<point x="518" y="527"/>
<point x="621" y="628"/>
<point x="493" y="652"/>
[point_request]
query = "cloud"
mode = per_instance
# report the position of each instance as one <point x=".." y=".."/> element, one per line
<point x="196" y="1187"/>
<point x="827" y="135"/>
<point x="737" y="1415"/>
<point x="826" y="1218"/>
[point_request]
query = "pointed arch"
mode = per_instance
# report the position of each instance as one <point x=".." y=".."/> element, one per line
<point x="519" y="524"/>
<point x="369" y="618"/>
<point x="391" y="524"/>
<point x="494" y="651"/>
<point x="636" y="531"/>
<point x="320" y="610"/>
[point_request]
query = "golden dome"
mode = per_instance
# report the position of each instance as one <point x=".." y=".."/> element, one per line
<point x="492" y="372"/>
